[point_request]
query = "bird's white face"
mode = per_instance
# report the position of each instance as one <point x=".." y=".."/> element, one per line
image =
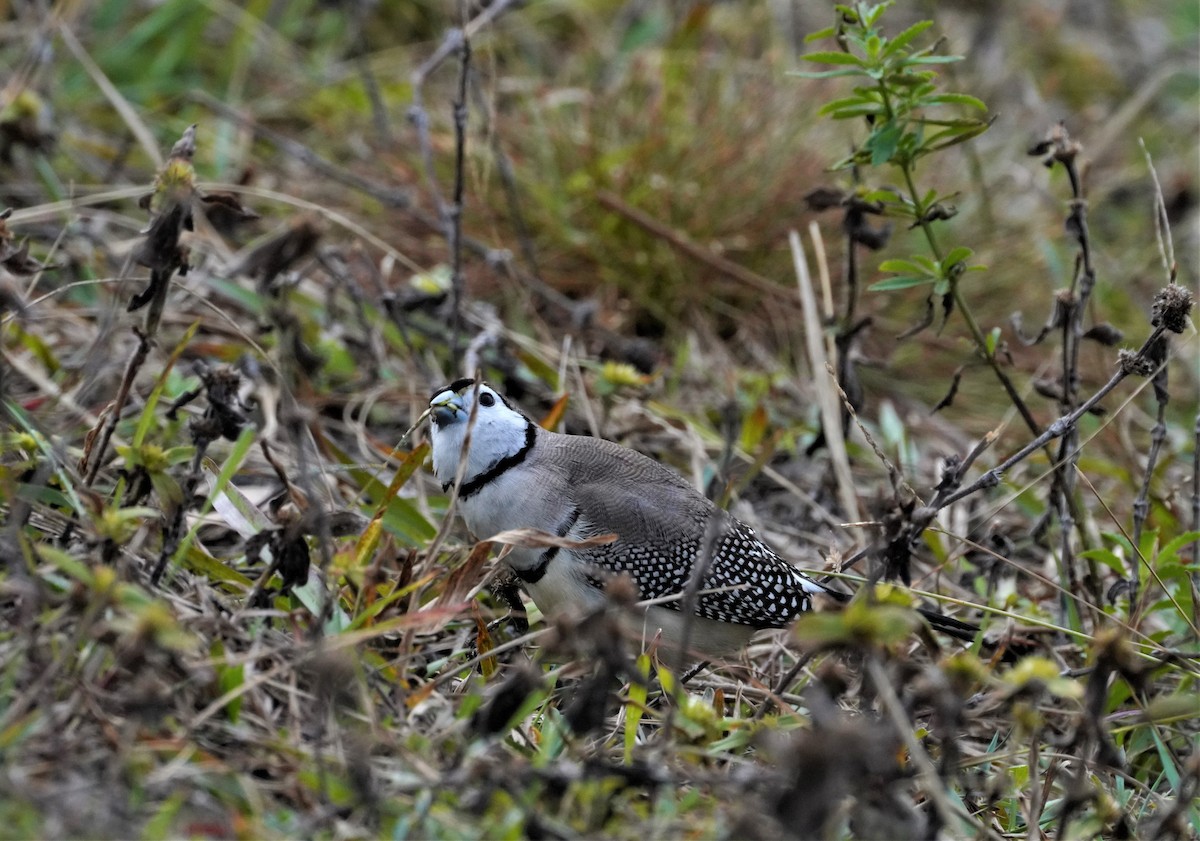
<point x="499" y="429"/>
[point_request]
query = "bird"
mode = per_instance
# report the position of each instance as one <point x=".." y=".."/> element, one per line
<point x="516" y="474"/>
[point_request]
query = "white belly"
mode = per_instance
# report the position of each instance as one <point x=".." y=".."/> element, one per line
<point x="507" y="504"/>
<point x="564" y="590"/>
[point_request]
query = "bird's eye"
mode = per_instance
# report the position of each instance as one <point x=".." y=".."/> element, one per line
<point x="486" y="399"/>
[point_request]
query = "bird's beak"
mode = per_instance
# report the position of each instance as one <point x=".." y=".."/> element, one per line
<point x="446" y="407"/>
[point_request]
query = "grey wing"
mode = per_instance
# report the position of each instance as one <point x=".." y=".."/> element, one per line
<point x="660" y="522"/>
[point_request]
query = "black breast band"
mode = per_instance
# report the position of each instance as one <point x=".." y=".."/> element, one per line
<point x="477" y="483"/>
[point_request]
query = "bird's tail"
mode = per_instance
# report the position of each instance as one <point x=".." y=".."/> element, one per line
<point x="950" y="626"/>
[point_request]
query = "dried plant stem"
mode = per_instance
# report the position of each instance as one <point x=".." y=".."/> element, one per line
<point x="713" y="532"/>
<point x="174" y="531"/>
<point x="1141" y="505"/>
<point x="160" y="251"/>
<point x="831" y="412"/>
<point x="1062" y="494"/>
<point x="981" y="346"/>
<point x="392" y="197"/>
<point x="457" y="41"/>
<point x="96" y="455"/>
<point x="454" y="211"/>
<point x="1055" y="430"/>
<point x="133" y="121"/>
<point x="1033" y="819"/>
<point x="1162" y="225"/>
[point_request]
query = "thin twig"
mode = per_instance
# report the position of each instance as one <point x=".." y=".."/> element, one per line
<point x="1055" y="430"/>
<point x="895" y="476"/>
<point x="1162" y="225"/>
<point x="1063" y="495"/>
<point x="96" y="454"/>
<point x="455" y="209"/>
<point x="488" y="15"/>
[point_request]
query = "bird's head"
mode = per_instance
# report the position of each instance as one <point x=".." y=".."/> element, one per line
<point x="499" y="429"/>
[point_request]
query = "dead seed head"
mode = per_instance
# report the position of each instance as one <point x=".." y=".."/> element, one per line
<point x="1134" y="364"/>
<point x="1171" y="307"/>
<point x="824" y="198"/>
<point x="185" y="146"/>
<point x="1057" y="145"/>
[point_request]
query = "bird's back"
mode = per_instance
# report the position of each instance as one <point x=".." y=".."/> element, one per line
<point x="665" y="528"/>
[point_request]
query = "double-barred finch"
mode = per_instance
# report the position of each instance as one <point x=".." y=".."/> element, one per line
<point x="518" y="475"/>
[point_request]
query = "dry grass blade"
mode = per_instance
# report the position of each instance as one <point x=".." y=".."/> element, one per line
<point x="538" y="539"/>
<point x="134" y="123"/>
<point x="827" y="398"/>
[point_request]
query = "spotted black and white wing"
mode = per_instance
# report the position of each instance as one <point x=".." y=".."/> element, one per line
<point x="661" y="525"/>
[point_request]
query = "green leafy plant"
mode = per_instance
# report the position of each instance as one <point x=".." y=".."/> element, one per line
<point x="901" y="103"/>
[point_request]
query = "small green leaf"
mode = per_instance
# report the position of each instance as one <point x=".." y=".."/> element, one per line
<point x="898" y="265"/>
<point x="1167" y="709"/>
<point x="853" y="112"/>
<point x="312" y="594"/>
<point x="161" y="822"/>
<point x="901" y="282"/>
<point x="952" y="137"/>
<point x="232" y="677"/>
<point x="637" y="705"/>
<point x="956" y="255"/>
<point x="873" y="13"/>
<point x="883" y="142"/>
<point x="993" y="340"/>
<point x="834" y="57"/>
<point x="1171" y="548"/>
<point x="931" y="59"/>
<point x="166" y="488"/>
<point x="882" y="196"/>
<point x="953" y="99"/>
<point x="823" y="74"/>
<point x="66" y="563"/>
<point x="234" y="460"/>
<point x="905" y="38"/>
<point x="849" y="102"/>
<point x="860" y="623"/>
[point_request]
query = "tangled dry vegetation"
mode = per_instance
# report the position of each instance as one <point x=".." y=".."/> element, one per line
<point x="233" y="601"/>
